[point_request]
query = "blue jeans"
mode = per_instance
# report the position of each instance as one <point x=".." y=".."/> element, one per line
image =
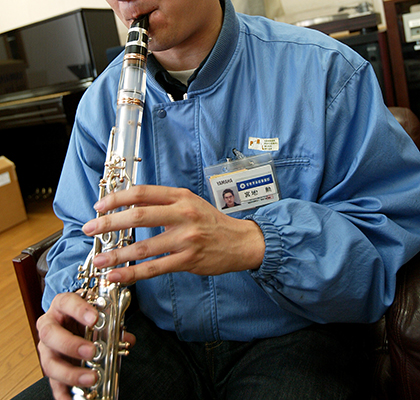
<point x="320" y="362"/>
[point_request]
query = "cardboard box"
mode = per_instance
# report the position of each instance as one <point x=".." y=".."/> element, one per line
<point x="12" y="208"/>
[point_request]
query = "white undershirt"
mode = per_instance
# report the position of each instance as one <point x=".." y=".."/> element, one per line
<point x="182" y="76"/>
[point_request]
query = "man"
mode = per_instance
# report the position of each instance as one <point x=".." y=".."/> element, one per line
<point x="246" y="306"/>
<point x="229" y="198"/>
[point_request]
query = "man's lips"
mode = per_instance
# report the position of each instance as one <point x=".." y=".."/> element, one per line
<point x="138" y="15"/>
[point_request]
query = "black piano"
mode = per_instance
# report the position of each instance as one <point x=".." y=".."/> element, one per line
<point x="44" y="69"/>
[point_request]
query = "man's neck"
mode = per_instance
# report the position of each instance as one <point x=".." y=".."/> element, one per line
<point x="190" y="54"/>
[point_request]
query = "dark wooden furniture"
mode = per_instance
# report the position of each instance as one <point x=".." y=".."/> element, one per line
<point x="393" y="11"/>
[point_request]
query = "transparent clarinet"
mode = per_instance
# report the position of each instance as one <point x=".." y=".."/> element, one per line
<point x="111" y="299"/>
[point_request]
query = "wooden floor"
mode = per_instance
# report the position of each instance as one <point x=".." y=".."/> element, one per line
<point x="19" y="366"/>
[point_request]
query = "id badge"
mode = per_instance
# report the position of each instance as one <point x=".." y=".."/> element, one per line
<point x="243" y="184"/>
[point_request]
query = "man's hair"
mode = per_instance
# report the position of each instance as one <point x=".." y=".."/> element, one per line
<point x="228" y="191"/>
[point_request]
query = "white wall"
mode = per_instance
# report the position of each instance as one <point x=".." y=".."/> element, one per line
<point x="298" y="10"/>
<point x="17" y="13"/>
<point x="310" y="8"/>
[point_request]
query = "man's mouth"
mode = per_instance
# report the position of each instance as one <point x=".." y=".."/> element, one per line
<point x="138" y="16"/>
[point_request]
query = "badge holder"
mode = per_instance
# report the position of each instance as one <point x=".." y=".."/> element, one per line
<point x="243" y="183"/>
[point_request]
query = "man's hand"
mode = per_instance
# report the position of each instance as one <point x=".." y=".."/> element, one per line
<point x="62" y="346"/>
<point x="197" y="238"/>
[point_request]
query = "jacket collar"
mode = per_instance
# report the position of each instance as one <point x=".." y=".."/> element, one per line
<point x="219" y="57"/>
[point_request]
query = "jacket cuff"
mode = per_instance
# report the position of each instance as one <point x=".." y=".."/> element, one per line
<point x="274" y="249"/>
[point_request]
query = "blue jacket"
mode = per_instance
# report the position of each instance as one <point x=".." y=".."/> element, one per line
<point x="349" y="176"/>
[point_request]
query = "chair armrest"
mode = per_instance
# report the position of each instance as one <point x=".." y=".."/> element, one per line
<point x="25" y="265"/>
<point x="408" y="121"/>
<point x="37" y="249"/>
<point x="30" y="289"/>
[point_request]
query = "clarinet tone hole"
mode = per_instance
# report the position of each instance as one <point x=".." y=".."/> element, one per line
<point x="100" y="323"/>
<point x="99" y="381"/>
<point x="100" y="346"/>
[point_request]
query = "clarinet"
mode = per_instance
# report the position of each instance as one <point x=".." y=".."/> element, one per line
<point x="111" y="299"/>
